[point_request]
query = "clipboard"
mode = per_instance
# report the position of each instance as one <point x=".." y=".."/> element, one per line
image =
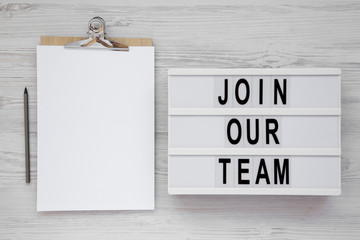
<point x="96" y="147"/>
<point x="96" y="30"/>
<point x="61" y="41"/>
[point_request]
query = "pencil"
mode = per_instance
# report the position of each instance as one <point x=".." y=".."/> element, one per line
<point x="26" y="127"/>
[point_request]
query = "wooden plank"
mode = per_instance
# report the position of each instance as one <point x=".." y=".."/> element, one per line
<point x="187" y="34"/>
<point x="61" y="41"/>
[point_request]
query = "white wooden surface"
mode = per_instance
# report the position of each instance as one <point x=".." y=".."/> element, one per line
<point x="190" y="33"/>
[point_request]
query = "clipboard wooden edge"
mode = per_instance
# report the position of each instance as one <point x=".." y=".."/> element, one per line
<point x="61" y="41"/>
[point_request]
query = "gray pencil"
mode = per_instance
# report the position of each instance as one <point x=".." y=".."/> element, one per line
<point x="27" y="143"/>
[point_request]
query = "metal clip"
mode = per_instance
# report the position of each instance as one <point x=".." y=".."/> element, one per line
<point x="97" y="39"/>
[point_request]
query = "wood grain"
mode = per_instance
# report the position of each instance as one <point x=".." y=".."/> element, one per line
<point x="61" y="41"/>
<point x="189" y="33"/>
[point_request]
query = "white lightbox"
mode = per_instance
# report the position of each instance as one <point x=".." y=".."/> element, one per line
<point x="255" y="131"/>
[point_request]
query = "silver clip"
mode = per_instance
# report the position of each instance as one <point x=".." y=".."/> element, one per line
<point x="97" y="39"/>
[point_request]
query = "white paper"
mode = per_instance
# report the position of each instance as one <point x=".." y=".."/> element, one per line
<point x="95" y="129"/>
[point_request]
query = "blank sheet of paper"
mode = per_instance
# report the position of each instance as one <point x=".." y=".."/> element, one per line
<point x="95" y="129"/>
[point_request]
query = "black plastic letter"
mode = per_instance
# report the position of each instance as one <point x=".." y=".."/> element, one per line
<point x="282" y="92"/>
<point x="281" y="173"/>
<point x="271" y="131"/>
<point x="242" y="170"/>
<point x="224" y="161"/>
<point x="237" y="123"/>
<point x="265" y="175"/>
<point x="256" y="139"/>
<point x="224" y="101"/>
<point x="261" y="91"/>
<point x="242" y="101"/>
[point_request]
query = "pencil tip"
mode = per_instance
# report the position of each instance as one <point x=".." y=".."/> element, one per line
<point x="25" y="91"/>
